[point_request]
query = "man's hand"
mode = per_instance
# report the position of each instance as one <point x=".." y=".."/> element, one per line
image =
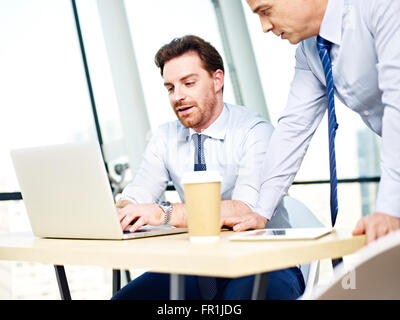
<point x="376" y="225"/>
<point x="237" y="215"/>
<point x="244" y="221"/>
<point x="132" y="216"/>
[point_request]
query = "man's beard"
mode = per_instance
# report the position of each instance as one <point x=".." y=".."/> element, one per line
<point x="198" y="116"/>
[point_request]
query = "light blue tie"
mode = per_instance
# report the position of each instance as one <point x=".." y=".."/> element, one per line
<point x="207" y="285"/>
<point x="324" y="47"/>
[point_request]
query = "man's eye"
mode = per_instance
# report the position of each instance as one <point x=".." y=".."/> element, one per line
<point x="170" y="90"/>
<point x="264" y="12"/>
<point x="189" y="83"/>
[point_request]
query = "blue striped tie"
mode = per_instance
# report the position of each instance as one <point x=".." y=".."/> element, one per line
<point x="207" y="285"/>
<point x="324" y="47"/>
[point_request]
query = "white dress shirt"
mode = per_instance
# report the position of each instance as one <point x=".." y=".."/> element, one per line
<point x="366" y="72"/>
<point x="236" y="146"/>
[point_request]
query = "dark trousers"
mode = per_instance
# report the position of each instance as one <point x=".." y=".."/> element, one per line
<point x="286" y="284"/>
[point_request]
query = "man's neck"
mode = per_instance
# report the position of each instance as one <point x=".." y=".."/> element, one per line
<point x="320" y="10"/>
<point x="216" y="112"/>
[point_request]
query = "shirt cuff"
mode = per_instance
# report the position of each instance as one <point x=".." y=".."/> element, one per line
<point x="388" y="203"/>
<point x="128" y="199"/>
<point x="268" y="202"/>
<point x="388" y="197"/>
<point x="246" y="194"/>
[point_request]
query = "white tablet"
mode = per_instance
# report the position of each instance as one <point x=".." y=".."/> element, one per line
<point x="282" y="234"/>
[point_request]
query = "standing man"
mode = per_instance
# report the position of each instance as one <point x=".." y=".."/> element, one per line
<point x="208" y="135"/>
<point x="350" y="48"/>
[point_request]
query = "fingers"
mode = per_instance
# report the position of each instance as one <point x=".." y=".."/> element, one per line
<point x="230" y="221"/>
<point x="365" y="226"/>
<point x="376" y="225"/>
<point x="360" y="228"/>
<point x="138" y="224"/>
<point x="134" y="216"/>
<point x="121" y="214"/>
<point x="236" y="223"/>
<point x="127" y="219"/>
<point x="255" y="222"/>
<point x="245" y="222"/>
<point x="370" y="234"/>
<point x="127" y="216"/>
<point x="243" y="226"/>
<point x="131" y="222"/>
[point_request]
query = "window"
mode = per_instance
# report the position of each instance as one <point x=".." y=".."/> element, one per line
<point x="154" y="23"/>
<point x="44" y="100"/>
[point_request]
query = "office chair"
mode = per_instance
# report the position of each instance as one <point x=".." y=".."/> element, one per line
<point x="373" y="275"/>
<point x="300" y="216"/>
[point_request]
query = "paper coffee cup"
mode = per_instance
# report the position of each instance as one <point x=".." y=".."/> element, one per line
<point x="202" y="191"/>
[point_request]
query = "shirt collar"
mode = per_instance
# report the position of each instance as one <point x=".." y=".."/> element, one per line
<point x="331" y="26"/>
<point x="216" y="130"/>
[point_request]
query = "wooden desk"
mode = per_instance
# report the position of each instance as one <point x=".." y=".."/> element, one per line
<point x="176" y="255"/>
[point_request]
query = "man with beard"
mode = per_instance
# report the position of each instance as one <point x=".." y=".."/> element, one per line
<point x="234" y="141"/>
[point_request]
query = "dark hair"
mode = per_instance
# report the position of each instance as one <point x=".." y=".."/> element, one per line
<point x="210" y="57"/>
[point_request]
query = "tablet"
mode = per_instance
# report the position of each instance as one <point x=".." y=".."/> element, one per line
<point x="282" y="234"/>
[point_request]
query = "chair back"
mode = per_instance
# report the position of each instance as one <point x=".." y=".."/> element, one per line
<point x="374" y="274"/>
<point x="300" y="216"/>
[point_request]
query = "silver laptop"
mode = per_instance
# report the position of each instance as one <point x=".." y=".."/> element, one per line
<point x="67" y="194"/>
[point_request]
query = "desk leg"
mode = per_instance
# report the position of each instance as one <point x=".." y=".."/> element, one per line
<point x="260" y="286"/>
<point x="336" y="261"/>
<point x="128" y="276"/>
<point x="177" y="287"/>
<point x="62" y="282"/>
<point x="116" y="281"/>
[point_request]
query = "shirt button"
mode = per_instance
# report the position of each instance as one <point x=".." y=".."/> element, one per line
<point x="366" y="113"/>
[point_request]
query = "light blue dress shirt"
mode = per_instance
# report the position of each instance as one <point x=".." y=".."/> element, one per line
<point x="366" y="73"/>
<point x="236" y="146"/>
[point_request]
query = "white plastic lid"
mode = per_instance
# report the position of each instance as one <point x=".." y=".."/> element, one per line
<point x="201" y="177"/>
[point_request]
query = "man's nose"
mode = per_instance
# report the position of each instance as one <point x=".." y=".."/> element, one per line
<point x="179" y="94"/>
<point x="266" y="24"/>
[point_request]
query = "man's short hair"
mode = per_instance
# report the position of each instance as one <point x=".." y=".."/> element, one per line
<point x="211" y="59"/>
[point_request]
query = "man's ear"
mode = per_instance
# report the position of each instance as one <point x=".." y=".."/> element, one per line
<point x="218" y="80"/>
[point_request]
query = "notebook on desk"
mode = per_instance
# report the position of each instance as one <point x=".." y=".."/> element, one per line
<point x="66" y="192"/>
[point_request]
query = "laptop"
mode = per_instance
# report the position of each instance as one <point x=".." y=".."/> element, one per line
<point x="282" y="234"/>
<point x="67" y="194"/>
